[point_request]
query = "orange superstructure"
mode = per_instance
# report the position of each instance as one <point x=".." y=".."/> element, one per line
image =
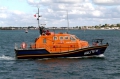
<point x="60" y="42"/>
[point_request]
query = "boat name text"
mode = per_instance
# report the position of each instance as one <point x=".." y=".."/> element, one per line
<point x="90" y="52"/>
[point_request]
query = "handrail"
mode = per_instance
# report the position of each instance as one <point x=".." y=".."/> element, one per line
<point x="59" y="48"/>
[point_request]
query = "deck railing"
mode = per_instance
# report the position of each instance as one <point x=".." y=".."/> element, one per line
<point x="58" y="48"/>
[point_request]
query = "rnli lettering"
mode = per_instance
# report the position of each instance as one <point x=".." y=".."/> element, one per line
<point x="90" y="52"/>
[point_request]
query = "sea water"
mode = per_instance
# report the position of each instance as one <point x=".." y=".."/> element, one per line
<point x="105" y="66"/>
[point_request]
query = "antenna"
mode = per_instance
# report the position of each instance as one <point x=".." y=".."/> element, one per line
<point x="67" y="21"/>
<point x="38" y="18"/>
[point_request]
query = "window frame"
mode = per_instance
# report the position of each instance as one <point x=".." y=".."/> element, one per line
<point x="73" y="39"/>
<point x="55" y="38"/>
<point x="67" y="37"/>
<point x="60" y="37"/>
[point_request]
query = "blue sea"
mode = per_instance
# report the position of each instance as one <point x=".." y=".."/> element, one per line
<point x="106" y="66"/>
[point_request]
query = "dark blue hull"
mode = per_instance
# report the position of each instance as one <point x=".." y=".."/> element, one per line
<point x="43" y="53"/>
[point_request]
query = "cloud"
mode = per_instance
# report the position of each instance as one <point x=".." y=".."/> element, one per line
<point x="3" y="8"/>
<point x="3" y="15"/>
<point x="67" y="1"/>
<point x="55" y="1"/>
<point x="54" y="13"/>
<point x="15" y="18"/>
<point x="107" y="2"/>
<point x="97" y="13"/>
<point x="17" y="12"/>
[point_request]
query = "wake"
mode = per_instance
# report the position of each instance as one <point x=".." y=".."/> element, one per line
<point x="3" y="57"/>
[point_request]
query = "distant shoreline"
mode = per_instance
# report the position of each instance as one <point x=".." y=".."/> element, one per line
<point x="62" y="29"/>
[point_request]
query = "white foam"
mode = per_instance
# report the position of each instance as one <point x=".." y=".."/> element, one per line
<point x="93" y="56"/>
<point x="3" y="57"/>
<point x="101" y="55"/>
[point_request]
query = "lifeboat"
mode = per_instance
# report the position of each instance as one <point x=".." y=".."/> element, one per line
<point x="54" y="45"/>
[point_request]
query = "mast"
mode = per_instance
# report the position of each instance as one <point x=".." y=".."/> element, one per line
<point x="40" y="28"/>
<point x="38" y="18"/>
<point x="67" y="21"/>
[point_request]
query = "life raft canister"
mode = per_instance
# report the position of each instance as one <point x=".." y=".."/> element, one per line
<point x="23" y="45"/>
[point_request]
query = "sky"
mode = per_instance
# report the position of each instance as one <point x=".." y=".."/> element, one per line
<point x="20" y="13"/>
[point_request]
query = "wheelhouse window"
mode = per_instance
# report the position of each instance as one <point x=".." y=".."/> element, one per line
<point x="44" y="40"/>
<point x="61" y="37"/>
<point x="72" y="39"/>
<point x="55" y="38"/>
<point x="66" y="37"/>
